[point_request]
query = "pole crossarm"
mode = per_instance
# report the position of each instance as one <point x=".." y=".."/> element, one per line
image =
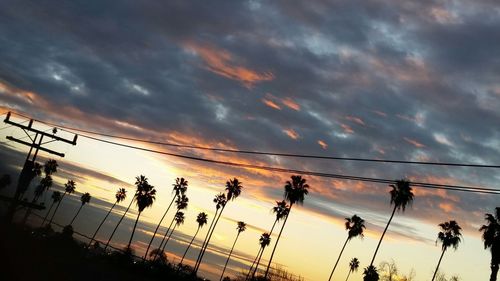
<point x="35" y="146"/>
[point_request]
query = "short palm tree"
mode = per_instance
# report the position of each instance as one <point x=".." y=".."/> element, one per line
<point x="5" y="181"/>
<point x="69" y="188"/>
<point x="449" y="236"/>
<point x="233" y="190"/>
<point x="84" y="199"/>
<point x="180" y="188"/>
<point x="56" y="197"/>
<point x="355" y="227"/>
<point x="201" y="219"/>
<point x="145" y="196"/>
<point x="264" y="241"/>
<point x="295" y="192"/>
<point x="240" y="228"/>
<point x="491" y="239"/>
<point x="120" y="195"/>
<point x="401" y="196"/>
<point x="353" y="266"/>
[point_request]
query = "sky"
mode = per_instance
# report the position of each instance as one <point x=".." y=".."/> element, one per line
<point x="377" y="79"/>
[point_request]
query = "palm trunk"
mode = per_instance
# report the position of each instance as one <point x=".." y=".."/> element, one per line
<point x="47" y="214"/>
<point x="258" y="263"/>
<point x="170" y="235"/>
<point x="348" y="274"/>
<point x="187" y="249"/>
<point x="277" y="240"/>
<point x="156" y="230"/>
<point x="133" y="230"/>
<point x="79" y="209"/>
<point x="118" y="224"/>
<point x="206" y="237"/>
<point x="229" y="257"/>
<point x="338" y="259"/>
<point x="209" y="237"/>
<point x="494" y="271"/>
<point x="165" y="236"/>
<point x="102" y="222"/>
<point x="57" y="207"/>
<point x="262" y="249"/>
<point x="439" y="262"/>
<point x="382" y="237"/>
<point x="253" y="263"/>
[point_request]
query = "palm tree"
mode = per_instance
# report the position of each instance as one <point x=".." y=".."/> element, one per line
<point x="159" y="255"/>
<point x="179" y="219"/>
<point x="56" y="197"/>
<point x="49" y="168"/>
<point x="69" y="188"/>
<point x="354" y="226"/>
<point x="491" y="239"/>
<point x="264" y="241"/>
<point x="449" y="236"/>
<point x="401" y="196"/>
<point x="84" y="199"/>
<point x="120" y="195"/>
<point x="5" y="181"/>
<point x="233" y="190"/>
<point x="119" y="222"/>
<point x="144" y="197"/>
<point x="295" y="192"/>
<point x="240" y="228"/>
<point x="180" y="188"/>
<point x="370" y="273"/>
<point x="201" y="219"/>
<point x="353" y="266"/>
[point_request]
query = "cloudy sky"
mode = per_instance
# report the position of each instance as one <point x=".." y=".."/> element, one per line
<point x="376" y="79"/>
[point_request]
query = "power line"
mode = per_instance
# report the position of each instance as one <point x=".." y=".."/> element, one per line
<point x="72" y="130"/>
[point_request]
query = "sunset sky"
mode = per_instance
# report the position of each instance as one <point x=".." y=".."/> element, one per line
<point x="378" y="79"/>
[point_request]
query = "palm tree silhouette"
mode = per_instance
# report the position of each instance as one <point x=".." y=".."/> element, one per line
<point x="491" y="239"/>
<point x="240" y="228"/>
<point x="84" y="199"/>
<point x="56" y="197"/>
<point x="401" y="196"/>
<point x="295" y="191"/>
<point x="370" y="273"/>
<point x="233" y="190"/>
<point x="49" y="168"/>
<point x="354" y="226"/>
<point x="264" y="241"/>
<point x="353" y="266"/>
<point x="159" y="255"/>
<point x="201" y="219"/>
<point x="179" y="219"/>
<point x="145" y="196"/>
<point x="449" y="236"/>
<point x="120" y="221"/>
<point x="180" y="188"/>
<point x="5" y="181"/>
<point x="69" y="188"/>
<point x="120" y="195"/>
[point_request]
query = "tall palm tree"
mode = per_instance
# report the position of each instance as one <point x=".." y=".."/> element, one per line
<point x="491" y="239"/>
<point x="353" y="266"/>
<point x="354" y="226"/>
<point x="145" y="196"/>
<point x="69" y="188"/>
<point x="179" y="219"/>
<point x="120" y="195"/>
<point x="240" y="228"/>
<point x="180" y="188"/>
<point x="401" y="196"/>
<point x="5" y="181"/>
<point x="233" y="190"/>
<point x="182" y="203"/>
<point x="49" y="168"/>
<point x="449" y="236"/>
<point x="295" y="192"/>
<point x="120" y="221"/>
<point x="84" y="199"/>
<point x="264" y="241"/>
<point x="201" y="219"/>
<point x="56" y="197"/>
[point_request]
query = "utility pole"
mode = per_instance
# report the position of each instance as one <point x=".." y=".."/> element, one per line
<point x="27" y="173"/>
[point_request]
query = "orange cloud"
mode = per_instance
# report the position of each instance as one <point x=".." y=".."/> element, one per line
<point x="355" y="120"/>
<point x="291" y="133"/>
<point x="291" y="104"/>
<point x="270" y="103"/>
<point x="380" y="113"/>
<point x="414" y="142"/>
<point x="323" y="144"/>
<point x="347" y="129"/>
<point x="223" y="63"/>
<point x="447" y="207"/>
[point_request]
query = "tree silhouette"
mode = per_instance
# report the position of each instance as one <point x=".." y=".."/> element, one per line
<point x="240" y="228"/>
<point x="56" y="197"/>
<point x="159" y="256"/>
<point x="491" y="239"/>
<point x="370" y="274"/>
<point x="120" y="221"/>
<point x="69" y="188"/>
<point x="179" y="219"/>
<point x="120" y="195"/>
<point x="5" y="181"/>
<point x="49" y="168"/>
<point x="264" y="241"/>
<point x="295" y="192"/>
<point x="180" y="188"/>
<point x="84" y="199"/>
<point x="353" y="266"/>
<point x="354" y="226"/>
<point x="233" y="190"/>
<point x="145" y="196"/>
<point x="201" y="219"/>
<point x="401" y="196"/>
<point x="449" y="236"/>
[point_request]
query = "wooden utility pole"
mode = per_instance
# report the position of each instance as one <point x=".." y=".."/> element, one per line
<point x="27" y="173"/>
